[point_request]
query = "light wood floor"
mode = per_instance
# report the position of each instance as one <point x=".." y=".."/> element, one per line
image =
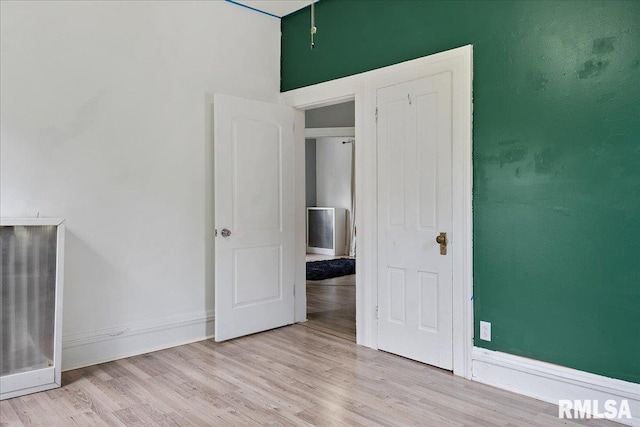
<point x="331" y="303"/>
<point x="331" y="306"/>
<point x="289" y="376"/>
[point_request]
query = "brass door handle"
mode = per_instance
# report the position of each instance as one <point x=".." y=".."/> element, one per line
<point x="442" y="241"/>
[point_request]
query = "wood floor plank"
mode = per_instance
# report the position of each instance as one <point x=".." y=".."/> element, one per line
<point x="331" y="306"/>
<point x="8" y="416"/>
<point x="292" y="376"/>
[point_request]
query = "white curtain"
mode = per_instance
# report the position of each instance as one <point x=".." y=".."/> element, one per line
<point x="352" y="222"/>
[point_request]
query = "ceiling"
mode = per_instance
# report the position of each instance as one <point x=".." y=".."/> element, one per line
<point x="276" y="7"/>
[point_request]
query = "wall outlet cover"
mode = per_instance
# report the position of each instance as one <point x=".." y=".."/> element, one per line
<point x="485" y="331"/>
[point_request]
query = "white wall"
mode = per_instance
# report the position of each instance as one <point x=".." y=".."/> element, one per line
<point x="310" y="172"/>
<point x="104" y="122"/>
<point x="332" y="116"/>
<point x="333" y="173"/>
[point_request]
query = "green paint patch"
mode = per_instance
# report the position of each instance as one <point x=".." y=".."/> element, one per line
<point x="538" y="80"/>
<point x="487" y="160"/>
<point x="603" y="45"/>
<point x="606" y="97"/>
<point x="509" y="142"/>
<point x="592" y="69"/>
<point x="562" y="210"/>
<point x="545" y="161"/>
<point x="513" y="155"/>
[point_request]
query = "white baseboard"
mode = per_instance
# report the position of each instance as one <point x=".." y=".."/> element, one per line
<point x="551" y="383"/>
<point x="105" y="345"/>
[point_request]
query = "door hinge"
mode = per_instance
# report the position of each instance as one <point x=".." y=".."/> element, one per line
<point x="376" y="114"/>
<point x="215" y="232"/>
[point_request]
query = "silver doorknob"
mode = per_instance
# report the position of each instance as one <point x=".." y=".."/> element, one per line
<point x="226" y="232"/>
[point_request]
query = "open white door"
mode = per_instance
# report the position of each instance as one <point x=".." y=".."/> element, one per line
<point x="414" y="207"/>
<point x="254" y="216"/>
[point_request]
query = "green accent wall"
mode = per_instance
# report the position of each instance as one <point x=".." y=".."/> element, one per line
<point x="556" y="157"/>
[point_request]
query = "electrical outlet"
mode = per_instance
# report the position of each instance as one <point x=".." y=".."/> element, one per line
<point x="485" y="331"/>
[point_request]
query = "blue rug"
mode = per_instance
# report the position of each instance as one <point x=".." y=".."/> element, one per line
<point x="320" y="270"/>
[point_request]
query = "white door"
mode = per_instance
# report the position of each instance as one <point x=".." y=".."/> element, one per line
<point x="254" y="216"/>
<point x="414" y="206"/>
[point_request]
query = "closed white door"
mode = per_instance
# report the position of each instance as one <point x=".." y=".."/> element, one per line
<point x="414" y="206"/>
<point x="254" y="216"/>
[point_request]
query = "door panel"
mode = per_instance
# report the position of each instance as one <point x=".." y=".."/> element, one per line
<point x="427" y="160"/>
<point x="254" y="201"/>
<point x="259" y="284"/>
<point x="256" y="198"/>
<point x="396" y="130"/>
<point x="397" y="296"/>
<point x="414" y="206"/>
<point x="428" y="283"/>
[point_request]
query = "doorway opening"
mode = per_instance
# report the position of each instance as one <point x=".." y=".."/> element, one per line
<point x="331" y="242"/>
<point x="363" y="89"/>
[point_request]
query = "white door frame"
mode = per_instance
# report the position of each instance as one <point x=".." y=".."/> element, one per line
<point x="362" y="88"/>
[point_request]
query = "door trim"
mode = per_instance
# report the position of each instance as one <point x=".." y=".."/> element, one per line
<point x="362" y="88"/>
